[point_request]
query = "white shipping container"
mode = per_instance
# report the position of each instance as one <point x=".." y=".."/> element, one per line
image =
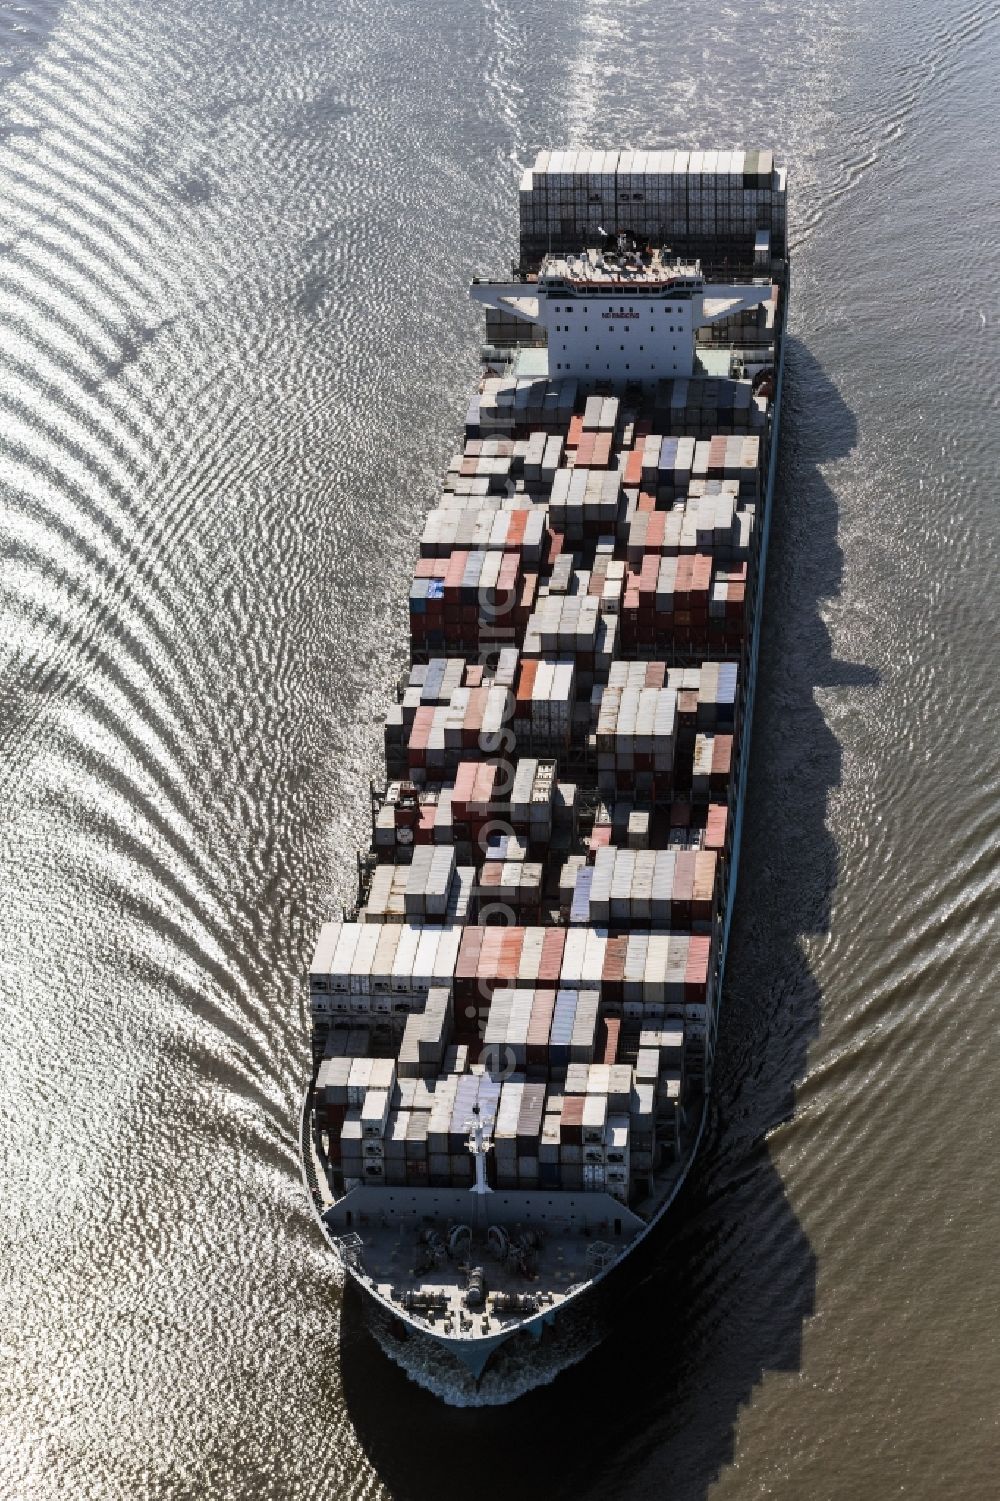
<point x="593" y="960"/>
<point x="402" y="964"/>
<point x="571" y="973"/>
<point x="446" y="955"/>
<point x="364" y="953"/>
<point x="424" y="959"/>
<point x="656" y="967"/>
<point x="359" y="1080"/>
<point x="531" y="955"/>
<point x="323" y="955"/>
<point x="340" y="969"/>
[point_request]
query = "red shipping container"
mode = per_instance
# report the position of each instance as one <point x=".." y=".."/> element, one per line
<point x="482" y="792"/>
<point x="453" y="576"/>
<point x="722" y="758"/>
<point x="571" y="1119"/>
<point x="683" y="888"/>
<point x="467" y="964"/>
<point x="715" y="826"/>
<point x="526" y="602"/>
<point x="696" y="969"/>
<point x="601" y="451"/>
<point x="687" y="708"/>
<point x="472" y="723"/>
<point x="552" y="952"/>
<point x="525" y="687"/>
<point x="613" y="972"/>
<point x="465" y="781"/>
<point x="705" y="863"/>
<point x="489" y="961"/>
<point x="425" y="826"/>
<point x="539" y="1026"/>
<point x="685" y="574"/>
<point x="701" y="574"/>
<point x="600" y="838"/>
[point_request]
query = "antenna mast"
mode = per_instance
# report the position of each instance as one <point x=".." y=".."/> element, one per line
<point x="479" y="1145"/>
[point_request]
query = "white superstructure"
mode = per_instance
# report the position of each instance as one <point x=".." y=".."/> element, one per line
<point x="621" y="318"/>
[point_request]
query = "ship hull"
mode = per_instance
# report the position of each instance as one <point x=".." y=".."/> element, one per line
<point x="473" y="1355"/>
<point x="514" y="1030"/>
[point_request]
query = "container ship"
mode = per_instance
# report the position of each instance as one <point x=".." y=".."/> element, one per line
<point x="513" y="1030"/>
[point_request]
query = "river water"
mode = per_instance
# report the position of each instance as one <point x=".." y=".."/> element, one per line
<point x="236" y="352"/>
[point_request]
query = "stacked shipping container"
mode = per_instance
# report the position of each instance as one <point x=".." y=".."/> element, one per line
<point x="687" y="199"/>
<point x="538" y="941"/>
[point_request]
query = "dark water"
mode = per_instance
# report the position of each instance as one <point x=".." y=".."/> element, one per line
<point x="235" y="355"/>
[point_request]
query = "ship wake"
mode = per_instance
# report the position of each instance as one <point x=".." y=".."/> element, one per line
<point x="518" y="1367"/>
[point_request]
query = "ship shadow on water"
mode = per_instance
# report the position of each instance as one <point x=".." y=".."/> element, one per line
<point x="718" y="1297"/>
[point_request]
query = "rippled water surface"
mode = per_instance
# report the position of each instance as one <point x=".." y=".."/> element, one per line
<point x="235" y="354"/>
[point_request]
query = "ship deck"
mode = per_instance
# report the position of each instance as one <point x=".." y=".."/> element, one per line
<point x="385" y="1254"/>
<point x="401" y="1243"/>
<point x="390" y="1263"/>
